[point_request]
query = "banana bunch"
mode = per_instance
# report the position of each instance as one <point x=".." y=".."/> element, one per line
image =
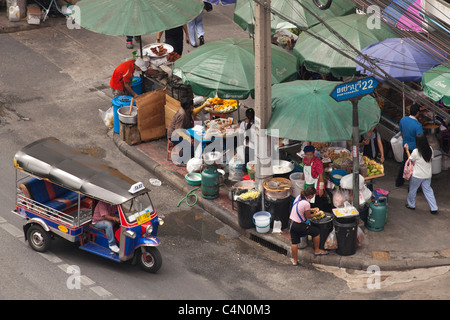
<point x="249" y="195"/>
<point x="373" y="167"/>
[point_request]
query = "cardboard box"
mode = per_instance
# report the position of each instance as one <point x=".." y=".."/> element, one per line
<point x="171" y="107"/>
<point x="150" y="114"/>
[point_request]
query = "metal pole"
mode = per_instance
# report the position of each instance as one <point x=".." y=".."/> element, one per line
<point x="355" y="153"/>
<point x="263" y="92"/>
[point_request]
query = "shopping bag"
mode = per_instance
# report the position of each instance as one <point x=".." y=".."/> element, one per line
<point x="408" y="169"/>
<point x="397" y="147"/>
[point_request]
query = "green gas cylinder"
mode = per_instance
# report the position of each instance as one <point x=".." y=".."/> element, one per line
<point x="377" y="215"/>
<point x="210" y="182"/>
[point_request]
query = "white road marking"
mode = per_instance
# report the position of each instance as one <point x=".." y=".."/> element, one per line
<point x="14" y="231"/>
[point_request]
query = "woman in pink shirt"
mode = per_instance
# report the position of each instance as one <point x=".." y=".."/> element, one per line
<point x="299" y="225"/>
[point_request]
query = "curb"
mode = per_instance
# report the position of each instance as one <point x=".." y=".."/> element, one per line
<point x="403" y="262"/>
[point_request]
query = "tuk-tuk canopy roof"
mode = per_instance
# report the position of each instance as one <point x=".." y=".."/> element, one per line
<point x="63" y="165"/>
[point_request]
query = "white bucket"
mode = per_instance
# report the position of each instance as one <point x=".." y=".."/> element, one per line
<point x="297" y="183"/>
<point x="436" y="164"/>
<point x="261" y="220"/>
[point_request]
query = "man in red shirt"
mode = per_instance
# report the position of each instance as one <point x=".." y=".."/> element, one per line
<point x="123" y="75"/>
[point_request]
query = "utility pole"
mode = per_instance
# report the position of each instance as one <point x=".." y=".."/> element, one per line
<point x="263" y="91"/>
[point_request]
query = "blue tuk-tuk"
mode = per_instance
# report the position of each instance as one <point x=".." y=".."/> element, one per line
<point x="57" y="188"/>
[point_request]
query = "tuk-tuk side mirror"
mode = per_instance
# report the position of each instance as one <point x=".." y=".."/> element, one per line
<point x="129" y="234"/>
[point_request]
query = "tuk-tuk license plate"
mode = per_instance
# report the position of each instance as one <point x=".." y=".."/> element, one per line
<point x="143" y="218"/>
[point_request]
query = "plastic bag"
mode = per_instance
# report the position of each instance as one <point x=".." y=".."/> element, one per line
<point x="107" y="117"/>
<point x="331" y="242"/>
<point x="339" y="197"/>
<point x="347" y="182"/>
<point x="397" y="147"/>
<point x="359" y="237"/>
<point x="408" y="169"/>
<point x="276" y="226"/>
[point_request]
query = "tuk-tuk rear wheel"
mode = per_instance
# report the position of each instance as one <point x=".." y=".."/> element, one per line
<point x="38" y="238"/>
<point x="150" y="259"/>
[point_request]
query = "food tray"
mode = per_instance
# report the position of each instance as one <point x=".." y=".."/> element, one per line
<point x="210" y="110"/>
<point x="147" y="50"/>
<point x="339" y="213"/>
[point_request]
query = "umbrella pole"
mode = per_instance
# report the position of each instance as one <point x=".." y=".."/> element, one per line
<point x="140" y="47"/>
<point x="355" y="153"/>
<point x="403" y="93"/>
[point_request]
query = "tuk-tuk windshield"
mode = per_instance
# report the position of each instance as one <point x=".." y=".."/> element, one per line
<point x="137" y="207"/>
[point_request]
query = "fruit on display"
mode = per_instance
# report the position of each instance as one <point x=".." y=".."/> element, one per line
<point x="218" y="105"/>
<point x="373" y="168"/>
<point x="320" y="216"/>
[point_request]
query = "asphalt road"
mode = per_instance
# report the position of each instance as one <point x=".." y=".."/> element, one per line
<point x="52" y="83"/>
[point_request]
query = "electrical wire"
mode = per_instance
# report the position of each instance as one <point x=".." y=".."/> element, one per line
<point x="367" y="63"/>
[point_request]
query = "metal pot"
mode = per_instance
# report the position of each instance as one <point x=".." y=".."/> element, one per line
<point x="275" y="195"/>
<point x="126" y="117"/>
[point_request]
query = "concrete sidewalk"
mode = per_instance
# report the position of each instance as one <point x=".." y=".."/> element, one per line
<point x="410" y="239"/>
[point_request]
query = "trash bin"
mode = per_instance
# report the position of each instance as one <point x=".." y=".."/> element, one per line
<point x="137" y="85"/>
<point x="325" y="226"/>
<point x="279" y="208"/>
<point x="246" y="210"/>
<point x="118" y="102"/>
<point x="346" y="236"/>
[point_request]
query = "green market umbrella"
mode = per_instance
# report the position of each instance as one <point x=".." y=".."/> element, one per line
<point x="319" y="57"/>
<point x="244" y="13"/>
<point x="436" y="83"/>
<point x="227" y="68"/>
<point x="135" y="17"/>
<point x="304" y="110"/>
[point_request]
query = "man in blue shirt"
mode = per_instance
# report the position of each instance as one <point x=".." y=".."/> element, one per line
<point x="409" y="128"/>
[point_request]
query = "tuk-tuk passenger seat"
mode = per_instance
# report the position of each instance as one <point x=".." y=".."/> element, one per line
<point x="49" y="194"/>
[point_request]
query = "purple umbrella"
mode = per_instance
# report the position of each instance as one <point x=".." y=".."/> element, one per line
<point x="224" y="2"/>
<point x="405" y="15"/>
<point x="402" y="58"/>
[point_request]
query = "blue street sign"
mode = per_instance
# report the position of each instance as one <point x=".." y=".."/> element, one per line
<point x="349" y="90"/>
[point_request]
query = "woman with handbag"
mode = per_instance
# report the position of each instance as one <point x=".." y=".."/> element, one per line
<point x="422" y="172"/>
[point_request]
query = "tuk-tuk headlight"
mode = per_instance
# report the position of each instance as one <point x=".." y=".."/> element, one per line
<point x="149" y="229"/>
<point x="160" y="221"/>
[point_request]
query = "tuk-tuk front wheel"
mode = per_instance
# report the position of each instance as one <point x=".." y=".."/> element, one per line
<point x="38" y="238"/>
<point x="150" y="259"/>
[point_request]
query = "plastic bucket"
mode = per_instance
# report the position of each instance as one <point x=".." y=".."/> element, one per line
<point x="297" y="182"/>
<point x="261" y="220"/>
<point x="136" y="85"/>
